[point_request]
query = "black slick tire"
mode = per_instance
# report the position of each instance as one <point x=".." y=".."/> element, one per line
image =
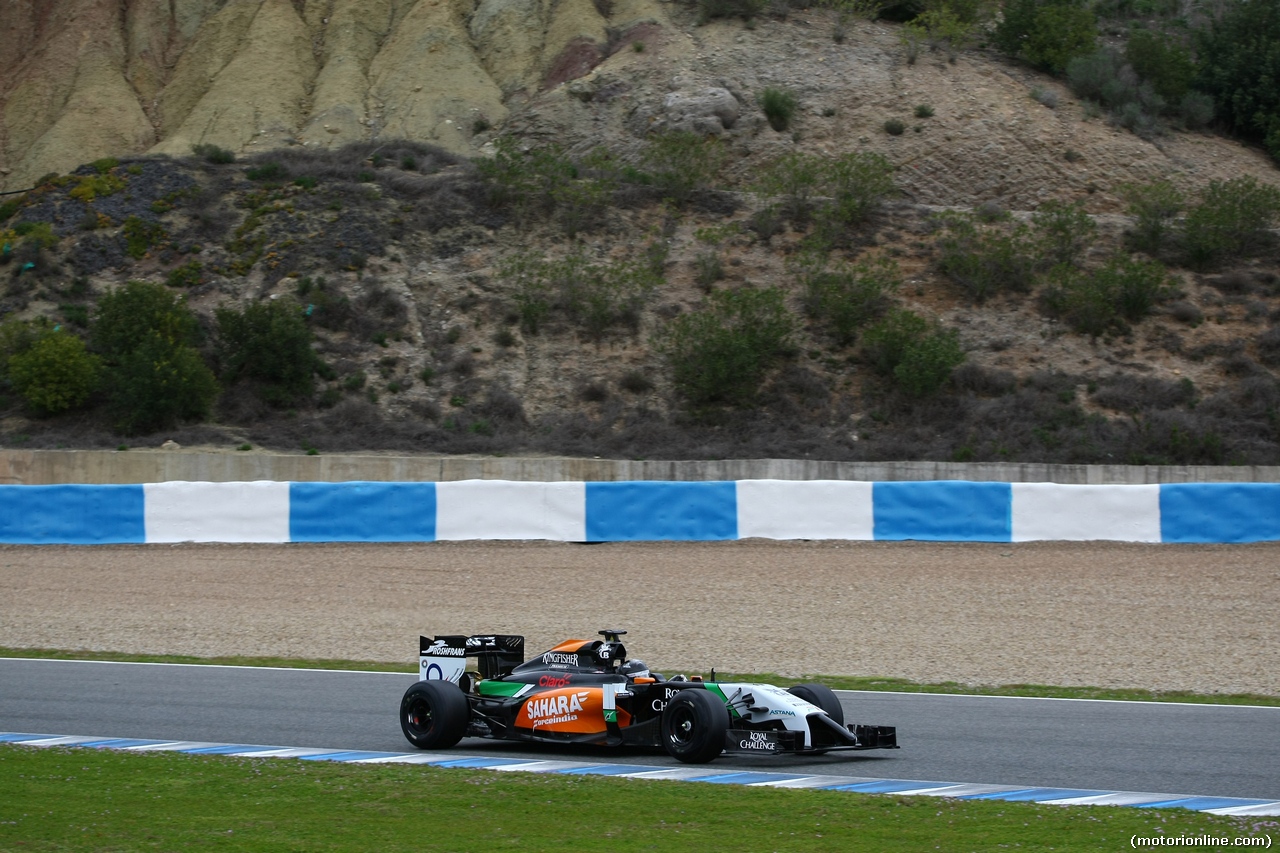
<point x="822" y="696"/>
<point x="434" y="714"/>
<point x="694" y="723"/>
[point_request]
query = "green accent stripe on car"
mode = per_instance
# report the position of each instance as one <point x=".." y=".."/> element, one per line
<point x="715" y="688"/>
<point x="502" y="688"/>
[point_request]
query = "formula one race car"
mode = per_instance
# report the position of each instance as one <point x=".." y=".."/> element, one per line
<point x="589" y="692"/>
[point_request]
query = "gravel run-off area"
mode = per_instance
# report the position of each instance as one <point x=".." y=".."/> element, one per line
<point x="1161" y="617"/>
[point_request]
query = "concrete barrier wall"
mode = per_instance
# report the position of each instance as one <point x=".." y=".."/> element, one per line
<point x="47" y="467"/>
<point x="359" y="511"/>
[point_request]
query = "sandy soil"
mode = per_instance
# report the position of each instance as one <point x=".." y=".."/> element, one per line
<point x="1152" y="616"/>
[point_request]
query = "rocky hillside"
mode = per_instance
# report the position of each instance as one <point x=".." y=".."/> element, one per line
<point x="83" y="79"/>
<point x="407" y="260"/>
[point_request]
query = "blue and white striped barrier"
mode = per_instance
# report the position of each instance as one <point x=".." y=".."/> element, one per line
<point x="901" y="787"/>
<point x="955" y="511"/>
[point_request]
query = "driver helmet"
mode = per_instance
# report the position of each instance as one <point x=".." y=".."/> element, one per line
<point x="635" y="669"/>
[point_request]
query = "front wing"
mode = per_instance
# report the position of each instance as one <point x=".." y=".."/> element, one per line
<point x="828" y="738"/>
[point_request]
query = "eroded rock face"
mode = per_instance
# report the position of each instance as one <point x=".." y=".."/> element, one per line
<point x="81" y="79"/>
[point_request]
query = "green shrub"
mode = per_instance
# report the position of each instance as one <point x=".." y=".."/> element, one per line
<point x="1163" y="62"/>
<point x="885" y="344"/>
<point x="158" y="385"/>
<point x="128" y="315"/>
<point x="525" y="179"/>
<point x="1095" y="301"/>
<point x="155" y="378"/>
<point x="1196" y="110"/>
<point x="707" y="269"/>
<point x="854" y="183"/>
<point x="682" y="163"/>
<point x="1239" y="64"/>
<point x="89" y="187"/>
<point x="530" y="290"/>
<point x="721" y="353"/>
<point x="189" y="274"/>
<point x="142" y="236"/>
<point x="595" y="296"/>
<point x="1139" y="286"/>
<point x="1153" y="208"/>
<point x="76" y="315"/>
<point x="779" y="107"/>
<point x="55" y="374"/>
<point x="928" y="363"/>
<point x="269" y="344"/>
<point x="17" y="336"/>
<point x="580" y="200"/>
<point x="795" y="178"/>
<point x="941" y="28"/>
<point x="1105" y="78"/>
<point x="270" y="171"/>
<point x="544" y="180"/>
<point x="1063" y="232"/>
<point x="918" y="355"/>
<point x="1232" y="219"/>
<point x="37" y="234"/>
<point x="985" y="261"/>
<point x="104" y="165"/>
<point x="213" y="154"/>
<point x="894" y="127"/>
<point x="847" y="297"/>
<point x="1046" y="33"/>
<point x="923" y="111"/>
<point x="857" y="183"/>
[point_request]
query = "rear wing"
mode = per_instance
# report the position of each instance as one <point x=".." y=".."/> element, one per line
<point x="444" y="658"/>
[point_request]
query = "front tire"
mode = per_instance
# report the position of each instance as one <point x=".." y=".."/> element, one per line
<point x="693" y="726"/>
<point x="434" y="714"/>
<point x="822" y="696"/>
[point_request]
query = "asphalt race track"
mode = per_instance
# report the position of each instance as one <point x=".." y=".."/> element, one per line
<point x="1211" y="750"/>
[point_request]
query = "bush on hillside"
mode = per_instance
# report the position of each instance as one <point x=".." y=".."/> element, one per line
<point x="1047" y="33"/>
<point x="720" y="354"/>
<point x="844" y="297"/>
<point x="987" y="259"/>
<point x="1063" y="232"/>
<point x="1232" y="219"/>
<point x="1162" y="61"/>
<point x="126" y="316"/>
<point x="154" y="375"/>
<point x="269" y="344"/>
<point x="158" y="385"/>
<point x="857" y="184"/>
<point x="852" y="186"/>
<point x="1094" y="302"/>
<point x="1153" y="208"/>
<point x="682" y="162"/>
<point x="55" y="373"/>
<point x="779" y="106"/>
<point x="1239" y="64"/>
<point x="918" y="355"/>
<point x="596" y="296"/>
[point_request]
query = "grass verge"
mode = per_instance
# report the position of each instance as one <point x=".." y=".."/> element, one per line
<point x="836" y="682"/>
<point x="88" y="799"/>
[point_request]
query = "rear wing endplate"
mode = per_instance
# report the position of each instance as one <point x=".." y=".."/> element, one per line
<point x="444" y="658"/>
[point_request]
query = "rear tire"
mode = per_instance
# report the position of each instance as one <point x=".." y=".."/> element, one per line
<point x="693" y="726"/>
<point x="434" y="714"/>
<point x="822" y="696"/>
